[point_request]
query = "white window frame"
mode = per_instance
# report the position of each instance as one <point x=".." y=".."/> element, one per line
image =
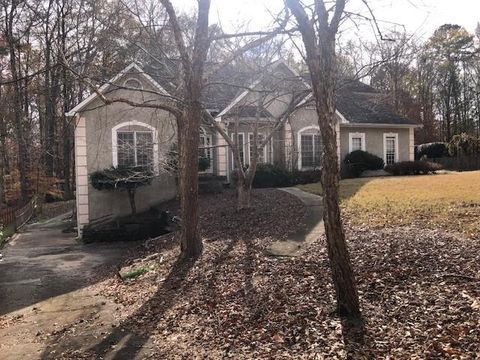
<point x="356" y="135"/>
<point x="299" y="143"/>
<point x="385" y="136"/>
<point x="117" y="128"/>
<point x="209" y="139"/>
<point x="244" y="147"/>
<point x="250" y="143"/>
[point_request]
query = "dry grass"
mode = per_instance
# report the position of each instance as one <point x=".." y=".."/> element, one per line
<point x="449" y="201"/>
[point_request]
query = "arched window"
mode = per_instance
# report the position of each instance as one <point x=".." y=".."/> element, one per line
<point x="133" y="83"/>
<point x="310" y="147"/>
<point x="135" y="144"/>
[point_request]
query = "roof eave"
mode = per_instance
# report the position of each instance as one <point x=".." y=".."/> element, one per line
<point x="384" y="125"/>
<point x="105" y="86"/>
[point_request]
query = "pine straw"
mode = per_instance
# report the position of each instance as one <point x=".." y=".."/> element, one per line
<point x="419" y="292"/>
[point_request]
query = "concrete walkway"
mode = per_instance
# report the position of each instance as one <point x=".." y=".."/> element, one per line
<point x="313" y="229"/>
<point x="44" y="287"/>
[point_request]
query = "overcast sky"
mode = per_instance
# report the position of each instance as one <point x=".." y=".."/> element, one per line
<point x="417" y="16"/>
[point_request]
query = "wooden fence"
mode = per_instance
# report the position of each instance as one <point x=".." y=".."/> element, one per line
<point x="14" y="218"/>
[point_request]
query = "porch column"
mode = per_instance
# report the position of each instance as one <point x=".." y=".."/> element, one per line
<point x="288" y="146"/>
<point x="411" y="144"/>
<point x="222" y="152"/>
<point x="337" y="131"/>
<point x="81" y="174"/>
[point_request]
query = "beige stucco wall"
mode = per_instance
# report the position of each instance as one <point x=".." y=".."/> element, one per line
<point x="99" y="121"/>
<point x="374" y="140"/>
<point x="307" y="117"/>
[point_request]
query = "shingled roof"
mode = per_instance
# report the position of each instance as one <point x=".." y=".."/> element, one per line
<point x="360" y="103"/>
<point x="223" y="86"/>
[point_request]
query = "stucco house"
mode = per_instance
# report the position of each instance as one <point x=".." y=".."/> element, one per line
<point x="120" y="134"/>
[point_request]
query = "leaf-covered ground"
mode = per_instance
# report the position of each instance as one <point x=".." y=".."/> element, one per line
<point x="450" y="201"/>
<point x="419" y="293"/>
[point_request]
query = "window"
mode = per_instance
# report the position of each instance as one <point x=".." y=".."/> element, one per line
<point x="135" y="148"/>
<point x="390" y="147"/>
<point x="356" y="141"/>
<point x="310" y="148"/>
<point x="262" y="153"/>
<point x="126" y="148"/>
<point x="206" y="146"/>
<point x="241" y="146"/>
<point x="134" y="143"/>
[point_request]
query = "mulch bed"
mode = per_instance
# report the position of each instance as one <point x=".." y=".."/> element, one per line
<point x="419" y="291"/>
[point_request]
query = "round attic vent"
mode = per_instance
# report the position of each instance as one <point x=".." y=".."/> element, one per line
<point x="132" y="84"/>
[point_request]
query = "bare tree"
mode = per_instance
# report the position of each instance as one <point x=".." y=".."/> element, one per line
<point x="319" y="35"/>
<point x="14" y="13"/>
<point x="186" y="104"/>
<point x="263" y="128"/>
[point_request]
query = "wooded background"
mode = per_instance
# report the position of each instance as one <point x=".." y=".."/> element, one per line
<point x="434" y="81"/>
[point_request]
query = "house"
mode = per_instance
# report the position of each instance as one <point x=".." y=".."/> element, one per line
<point x="120" y="134"/>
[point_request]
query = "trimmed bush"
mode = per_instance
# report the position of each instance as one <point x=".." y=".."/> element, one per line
<point x="413" y="168"/>
<point x="268" y="175"/>
<point x="203" y="163"/>
<point x="351" y="171"/>
<point x="122" y="178"/>
<point x="115" y="178"/>
<point x="305" y="177"/>
<point x="358" y="161"/>
<point x="431" y="150"/>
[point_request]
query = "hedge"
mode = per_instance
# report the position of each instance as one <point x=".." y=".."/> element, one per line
<point x="412" y="168"/>
<point x="271" y="176"/>
<point x="358" y="161"/>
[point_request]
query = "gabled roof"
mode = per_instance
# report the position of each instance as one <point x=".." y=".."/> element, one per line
<point x="253" y="83"/>
<point x="357" y="103"/>
<point x="133" y="67"/>
<point x="360" y="103"/>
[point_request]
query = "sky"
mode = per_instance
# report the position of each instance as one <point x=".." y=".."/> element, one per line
<point x="420" y="17"/>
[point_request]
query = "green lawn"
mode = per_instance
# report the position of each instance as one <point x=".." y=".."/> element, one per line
<point x="450" y="201"/>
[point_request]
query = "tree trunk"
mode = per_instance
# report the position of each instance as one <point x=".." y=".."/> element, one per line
<point x="244" y="191"/>
<point x="323" y="80"/>
<point x="319" y="44"/>
<point x="131" y="199"/>
<point x="19" y="115"/>
<point x="191" y="243"/>
<point x="67" y="95"/>
<point x="189" y="125"/>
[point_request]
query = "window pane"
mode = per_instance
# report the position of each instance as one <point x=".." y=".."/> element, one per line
<point x="241" y="146"/>
<point x="261" y="152"/>
<point x="145" y="149"/>
<point x="356" y="143"/>
<point x="390" y="149"/>
<point x="126" y="149"/>
<point x="307" y="150"/>
<point x="205" y="149"/>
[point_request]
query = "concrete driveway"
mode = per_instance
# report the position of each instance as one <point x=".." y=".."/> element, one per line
<point x="44" y="286"/>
